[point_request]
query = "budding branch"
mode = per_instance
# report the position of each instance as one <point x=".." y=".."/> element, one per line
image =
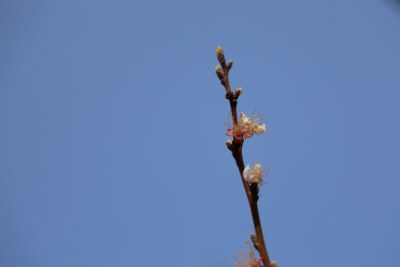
<point x="235" y="147"/>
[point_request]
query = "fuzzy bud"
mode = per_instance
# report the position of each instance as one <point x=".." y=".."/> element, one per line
<point x="274" y="264"/>
<point x="219" y="72"/>
<point x="230" y="64"/>
<point x="238" y="92"/>
<point x="220" y="55"/>
<point x="255" y="241"/>
<point x="228" y="142"/>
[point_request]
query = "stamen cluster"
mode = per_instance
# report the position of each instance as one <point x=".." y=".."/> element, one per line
<point x="247" y="127"/>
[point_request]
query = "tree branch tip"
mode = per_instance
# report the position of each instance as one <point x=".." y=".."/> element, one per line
<point x="247" y="127"/>
<point x="221" y="56"/>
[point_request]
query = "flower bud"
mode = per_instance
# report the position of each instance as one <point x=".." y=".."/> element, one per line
<point x="254" y="239"/>
<point x="230" y="64"/>
<point x="219" y="72"/>
<point x="238" y="92"/>
<point x="220" y="55"/>
<point x="255" y="176"/>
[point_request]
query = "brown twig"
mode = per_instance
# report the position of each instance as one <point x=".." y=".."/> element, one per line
<point x="235" y="147"/>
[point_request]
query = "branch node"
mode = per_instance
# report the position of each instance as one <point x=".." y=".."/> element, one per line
<point x="254" y="188"/>
<point x="230" y="96"/>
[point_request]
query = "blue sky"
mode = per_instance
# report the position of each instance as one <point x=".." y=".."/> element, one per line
<point x="112" y="135"/>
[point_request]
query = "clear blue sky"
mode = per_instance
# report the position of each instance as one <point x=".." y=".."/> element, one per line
<point x="112" y="135"/>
